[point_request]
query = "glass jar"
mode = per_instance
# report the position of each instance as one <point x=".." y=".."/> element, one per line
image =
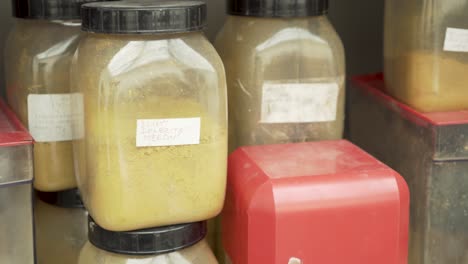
<point x="285" y="71"/>
<point x="153" y="147"/>
<point x="38" y="56"/>
<point x="181" y="244"/>
<point x="426" y="53"/>
<point x="61" y="227"/>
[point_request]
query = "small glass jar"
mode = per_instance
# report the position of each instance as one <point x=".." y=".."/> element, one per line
<point x="181" y="244"/>
<point x="285" y="71"/>
<point x="426" y="53"/>
<point x="38" y="56"/>
<point x="153" y="147"/>
<point x="61" y="227"/>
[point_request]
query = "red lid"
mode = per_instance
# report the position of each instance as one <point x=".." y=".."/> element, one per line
<point x="322" y="202"/>
<point x="12" y="132"/>
<point x="375" y="85"/>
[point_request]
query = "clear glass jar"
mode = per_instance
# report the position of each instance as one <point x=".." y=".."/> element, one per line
<point x="285" y="71"/>
<point x="153" y="151"/>
<point x="61" y="227"/>
<point x="182" y="244"/>
<point x="38" y="57"/>
<point x="426" y="53"/>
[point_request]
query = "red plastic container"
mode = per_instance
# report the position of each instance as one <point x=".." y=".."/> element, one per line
<point x="322" y="202"/>
<point x="16" y="174"/>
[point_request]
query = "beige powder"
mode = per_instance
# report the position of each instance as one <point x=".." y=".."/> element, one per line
<point x="428" y="82"/>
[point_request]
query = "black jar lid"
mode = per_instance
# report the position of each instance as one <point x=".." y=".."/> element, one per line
<point x="152" y="241"/>
<point x="66" y="199"/>
<point x="277" y="8"/>
<point x="144" y="16"/>
<point x="48" y="9"/>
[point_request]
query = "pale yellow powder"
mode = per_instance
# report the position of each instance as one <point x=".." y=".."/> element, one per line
<point x="428" y="82"/>
<point x="38" y="59"/>
<point x="53" y="166"/>
<point x="257" y="51"/>
<point x="126" y="187"/>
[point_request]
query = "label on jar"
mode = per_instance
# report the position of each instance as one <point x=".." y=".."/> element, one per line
<point x="51" y="117"/>
<point x="456" y="39"/>
<point x="168" y="132"/>
<point x="299" y="102"/>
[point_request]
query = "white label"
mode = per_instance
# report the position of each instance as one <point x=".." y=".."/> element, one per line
<point x="168" y="132"/>
<point x="456" y="40"/>
<point x="299" y="102"/>
<point x="51" y="117"/>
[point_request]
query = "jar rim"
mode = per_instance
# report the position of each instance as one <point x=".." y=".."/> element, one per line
<point x="153" y="241"/>
<point x="144" y="17"/>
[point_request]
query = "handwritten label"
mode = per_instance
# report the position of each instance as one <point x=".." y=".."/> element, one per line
<point x="456" y="39"/>
<point x="52" y="117"/>
<point x="168" y="132"/>
<point x="299" y="102"/>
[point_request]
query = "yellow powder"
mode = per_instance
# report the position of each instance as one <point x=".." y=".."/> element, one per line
<point x="38" y="56"/>
<point x="428" y="82"/>
<point x="261" y="51"/>
<point x="125" y="78"/>
<point x="126" y="187"/>
<point x="197" y="254"/>
<point x="53" y="166"/>
<point x="257" y="51"/>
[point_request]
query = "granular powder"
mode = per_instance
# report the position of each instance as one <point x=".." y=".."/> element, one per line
<point x="37" y="62"/>
<point x="126" y="187"/>
<point x="428" y="82"/>
<point x="267" y="57"/>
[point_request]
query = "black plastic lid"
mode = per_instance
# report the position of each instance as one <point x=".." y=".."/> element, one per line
<point x="147" y="241"/>
<point x="144" y="16"/>
<point x="66" y="199"/>
<point x="48" y="9"/>
<point x="277" y="8"/>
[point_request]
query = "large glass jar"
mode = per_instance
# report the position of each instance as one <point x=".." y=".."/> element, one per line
<point x="285" y="71"/>
<point x="38" y="56"/>
<point x="153" y="147"/>
<point x="61" y="227"/>
<point x="426" y="53"/>
<point x="181" y="244"/>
